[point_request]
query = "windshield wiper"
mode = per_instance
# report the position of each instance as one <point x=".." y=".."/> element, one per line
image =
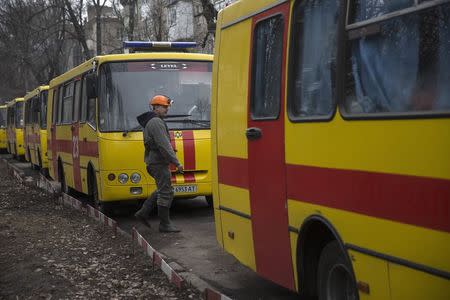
<point x="201" y="123"/>
<point x="176" y="116"/>
<point x="125" y="132"/>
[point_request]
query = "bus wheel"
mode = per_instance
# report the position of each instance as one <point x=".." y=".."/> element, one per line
<point x="62" y="179"/>
<point x="100" y="205"/>
<point x="335" y="278"/>
<point x="209" y="200"/>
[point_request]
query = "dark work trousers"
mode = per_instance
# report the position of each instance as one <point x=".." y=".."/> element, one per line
<point x="164" y="190"/>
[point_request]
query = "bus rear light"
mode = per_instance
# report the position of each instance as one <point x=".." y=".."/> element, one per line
<point x="136" y="190"/>
<point x="111" y="176"/>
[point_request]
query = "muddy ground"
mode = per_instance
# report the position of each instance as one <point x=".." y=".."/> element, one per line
<point x="51" y="252"/>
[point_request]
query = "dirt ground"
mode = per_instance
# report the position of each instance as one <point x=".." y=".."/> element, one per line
<point x="51" y="252"/>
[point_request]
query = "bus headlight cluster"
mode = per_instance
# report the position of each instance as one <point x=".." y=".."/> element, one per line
<point x="123" y="178"/>
<point x="135" y="178"/>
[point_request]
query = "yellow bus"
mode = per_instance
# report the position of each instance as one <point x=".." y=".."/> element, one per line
<point x="14" y="130"/>
<point x="331" y="145"/>
<point x="35" y="131"/>
<point x="95" y="143"/>
<point x="3" y="139"/>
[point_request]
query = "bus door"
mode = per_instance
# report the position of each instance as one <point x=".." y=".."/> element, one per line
<point x="75" y="129"/>
<point x="265" y="135"/>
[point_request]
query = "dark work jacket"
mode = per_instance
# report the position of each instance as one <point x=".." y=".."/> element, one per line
<point x="158" y="149"/>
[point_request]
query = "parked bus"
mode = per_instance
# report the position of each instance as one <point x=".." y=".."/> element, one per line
<point x="331" y="145"/>
<point x="35" y="132"/>
<point x="3" y="139"/>
<point x="95" y="143"/>
<point x="14" y="130"/>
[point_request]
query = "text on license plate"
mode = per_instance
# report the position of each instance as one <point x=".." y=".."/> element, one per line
<point x="185" y="188"/>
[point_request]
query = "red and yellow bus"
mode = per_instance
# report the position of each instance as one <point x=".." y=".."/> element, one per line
<point x="95" y="143"/>
<point x="35" y="131"/>
<point x="14" y="130"/>
<point x="3" y="139"/>
<point x="331" y="145"/>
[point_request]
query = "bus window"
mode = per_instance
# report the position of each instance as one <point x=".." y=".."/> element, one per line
<point x="91" y="111"/>
<point x="35" y="110"/>
<point x="83" y="104"/>
<point x="67" y="103"/>
<point x="55" y="106"/>
<point x="267" y="60"/>
<point x="43" y="110"/>
<point x="76" y="101"/>
<point x="27" y="112"/>
<point x="2" y="118"/>
<point x="88" y="107"/>
<point x="19" y="115"/>
<point x="398" y="64"/>
<point x="125" y="88"/>
<point x="313" y="55"/>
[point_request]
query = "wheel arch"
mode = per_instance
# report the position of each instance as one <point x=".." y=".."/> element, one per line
<point x="314" y="234"/>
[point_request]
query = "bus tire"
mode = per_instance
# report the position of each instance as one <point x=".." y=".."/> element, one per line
<point x="335" y="277"/>
<point x="209" y="200"/>
<point x="62" y="178"/>
<point x="39" y="159"/>
<point x="93" y="193"/>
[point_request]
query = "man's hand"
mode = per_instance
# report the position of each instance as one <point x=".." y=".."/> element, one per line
<point x="180" y="169"/>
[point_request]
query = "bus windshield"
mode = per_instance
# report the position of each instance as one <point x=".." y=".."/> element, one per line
<point x="126" y="87"/>
<point x="2" y="117"/>
<point x="19" y="115"/>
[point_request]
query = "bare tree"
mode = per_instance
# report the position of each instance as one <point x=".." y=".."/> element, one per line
<point x="75" y="15"/>
<point x="31" y="41"/>
<point x="98" y="5"/>
<point x="210" y="14"/>
<point x="155" y="27"/>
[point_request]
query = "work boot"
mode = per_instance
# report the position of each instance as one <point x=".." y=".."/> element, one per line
<point x="143" y="214"/>
<point x="165" y="225"/>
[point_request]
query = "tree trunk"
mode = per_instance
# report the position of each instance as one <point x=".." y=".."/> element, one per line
<point x="131" y="19"/>
<point x="98" y="23"/>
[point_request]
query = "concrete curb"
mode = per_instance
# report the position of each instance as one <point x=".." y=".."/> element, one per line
<point x="136" y="238"/>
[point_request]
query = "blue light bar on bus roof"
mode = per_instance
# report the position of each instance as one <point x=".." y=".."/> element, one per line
<point x="150" y="45"/>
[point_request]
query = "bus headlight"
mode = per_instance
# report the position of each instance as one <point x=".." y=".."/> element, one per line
<point x="123" y="178"/>
<point x="135" y="178"/>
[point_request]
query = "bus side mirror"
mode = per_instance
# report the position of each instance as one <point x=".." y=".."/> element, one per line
<point x="91" y="85"/>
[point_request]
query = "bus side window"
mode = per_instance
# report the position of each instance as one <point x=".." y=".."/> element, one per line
<point x="35" y="110"/>
<point x="55" y="105"/>
<point x="313" y="59"/>
<point x="401" y="67"/>
<point x="60" y="104"/>
<point x="88" y="106"/>
<point x="266" y="74"/>
<point x="27" y="112"/>
<point x="43" y="110"/>
<point x="67" y="103"/>
<point x="76" y="101"/>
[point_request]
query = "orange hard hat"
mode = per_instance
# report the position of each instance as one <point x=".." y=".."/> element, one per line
<point x="161" y="100"/>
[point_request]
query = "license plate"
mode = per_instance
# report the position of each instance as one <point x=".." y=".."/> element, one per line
<point x="185" y="188"/>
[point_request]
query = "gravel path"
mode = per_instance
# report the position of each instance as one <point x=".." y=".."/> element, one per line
<point x="49" y="252"/>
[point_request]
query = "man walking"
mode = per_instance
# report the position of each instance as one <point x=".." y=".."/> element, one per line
<point x="159" y="154"/>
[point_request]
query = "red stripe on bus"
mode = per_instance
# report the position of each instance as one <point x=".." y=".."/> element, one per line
<point x="189" y="150"/>
<point x="189" y="177"/>
<point x="415" y="200"/>
<point x="86" y="148"/>
<point x="419" y="201"/>
<point x="233" y="171"/>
